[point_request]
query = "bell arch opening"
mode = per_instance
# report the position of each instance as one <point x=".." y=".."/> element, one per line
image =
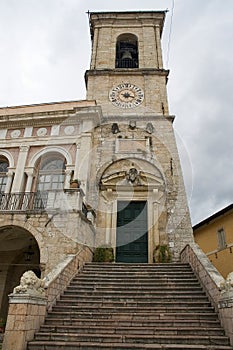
<point x="19" y="252"/>
<point x="127" y="51"/>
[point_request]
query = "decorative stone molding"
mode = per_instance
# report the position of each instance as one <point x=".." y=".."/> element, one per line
<point x="15" y="133"/>
<point x="24" y="148"/>
<point x="30" y="284"/>
<point x="42" y="132"/>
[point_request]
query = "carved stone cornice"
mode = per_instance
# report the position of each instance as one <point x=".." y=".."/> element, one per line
<point x="37" y="119"/>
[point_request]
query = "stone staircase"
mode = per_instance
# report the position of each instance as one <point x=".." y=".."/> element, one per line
<point x="132" y="306"/>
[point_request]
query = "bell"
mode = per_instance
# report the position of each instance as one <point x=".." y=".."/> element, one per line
<point x="127" y="55"/>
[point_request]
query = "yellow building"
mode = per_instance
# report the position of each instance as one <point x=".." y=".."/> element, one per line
<point x="215" y="237"/>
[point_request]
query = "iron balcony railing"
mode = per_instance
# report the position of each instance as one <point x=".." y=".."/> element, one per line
<point x="23" y="201"/>
<point x="40" y="201"/>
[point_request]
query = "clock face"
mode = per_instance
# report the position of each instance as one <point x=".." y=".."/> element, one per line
<point x="126" y="95"/>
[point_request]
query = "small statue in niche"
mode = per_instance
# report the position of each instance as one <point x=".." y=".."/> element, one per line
<point x="149" y="128"/>
<point x="132" y="125"/>
<point x="133" y="176"/>
<point x="115" y="128"/>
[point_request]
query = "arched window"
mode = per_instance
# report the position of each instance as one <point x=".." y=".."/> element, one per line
<point x="3" y="173"/>
<point x="51" y="173"/>
<point x="127" y="51"/>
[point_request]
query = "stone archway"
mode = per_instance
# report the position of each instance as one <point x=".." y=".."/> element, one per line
<point x="131" y="182"/>
<point x="19" y="252"/>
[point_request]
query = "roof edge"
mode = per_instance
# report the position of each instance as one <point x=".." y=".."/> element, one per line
<point x="214" y="216"/>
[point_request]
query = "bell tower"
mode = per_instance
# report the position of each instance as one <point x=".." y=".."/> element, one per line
<point x="126" y="74"/>
<point x="135" y="180"/>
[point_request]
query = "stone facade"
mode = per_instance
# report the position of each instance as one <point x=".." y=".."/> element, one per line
<point x="117" y="148"/>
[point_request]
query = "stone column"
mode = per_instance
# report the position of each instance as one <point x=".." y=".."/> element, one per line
<point x="108" y="215"/>
<point x="77" y="161"/>
<point x="67" y="179"/>
<point x="27" y="310"/>
<point x="19" y="173"/>
<point x="30" y="174"/>
<point x="9" y="181"/>
<point x="83" y="159"/>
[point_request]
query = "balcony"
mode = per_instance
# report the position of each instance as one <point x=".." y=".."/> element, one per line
<point x="59" y="200"/>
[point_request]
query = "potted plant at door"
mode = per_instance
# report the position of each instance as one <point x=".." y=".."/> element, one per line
<point x="103" y="254"/>
<point x="162" y="254"/>
<point x="74" y="183"/>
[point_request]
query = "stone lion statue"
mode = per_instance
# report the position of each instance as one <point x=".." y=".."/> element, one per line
<point x="30" y="284"/>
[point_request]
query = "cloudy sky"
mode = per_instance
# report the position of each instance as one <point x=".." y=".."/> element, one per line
<point x="45" y="50"/>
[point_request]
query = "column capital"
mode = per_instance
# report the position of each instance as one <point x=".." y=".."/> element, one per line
<point x="24" y="148"/>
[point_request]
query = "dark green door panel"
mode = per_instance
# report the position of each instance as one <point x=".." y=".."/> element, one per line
<point x="132" y="237"/>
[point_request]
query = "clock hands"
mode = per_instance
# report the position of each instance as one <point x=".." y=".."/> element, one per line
<point x="127" y="95"/>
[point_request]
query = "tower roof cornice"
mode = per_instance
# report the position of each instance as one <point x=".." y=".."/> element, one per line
<point x="96" y="18"/>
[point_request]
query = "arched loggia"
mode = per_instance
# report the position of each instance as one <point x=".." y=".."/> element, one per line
<point x="19" y="252"/>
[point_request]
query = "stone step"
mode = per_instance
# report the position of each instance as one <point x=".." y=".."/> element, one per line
<point x="136" y="315"/>
<point x="136" y="299"/>
<point x="61" y="345"/>
<point x="96" y="289"/>
<point x="138" y="268"/>
<point x="128" y="338"/>
<point x="148" y="284"/>
<point x="135" y="296"/>
<point x="132" y="306"/>
<point x="148" y="330"/>
<point x="149" y="273"/>
<point x="150" y="304"/>
<point x="134" y="279"/>
<point x="88" y="322"/>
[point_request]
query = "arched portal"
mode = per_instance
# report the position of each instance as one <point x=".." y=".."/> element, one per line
<point x="132" y="198"/>
<point x="19" y="252"/>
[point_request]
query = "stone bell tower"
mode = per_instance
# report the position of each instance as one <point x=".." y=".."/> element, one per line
<point x="126" y="65"/>
<point x="135" y="181"/>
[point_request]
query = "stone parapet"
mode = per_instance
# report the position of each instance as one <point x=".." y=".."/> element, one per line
<point x="208" y="275"/>
<point x="220" y="292"/>
<point x="58" y="279"/>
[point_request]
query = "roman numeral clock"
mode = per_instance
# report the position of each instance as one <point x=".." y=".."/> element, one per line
<point x="126" y="95"/>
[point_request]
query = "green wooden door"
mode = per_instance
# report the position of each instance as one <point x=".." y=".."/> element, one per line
<point x="132" y="237"/>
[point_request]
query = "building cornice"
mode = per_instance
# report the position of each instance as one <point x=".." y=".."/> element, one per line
<point x="12" y="118"/>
